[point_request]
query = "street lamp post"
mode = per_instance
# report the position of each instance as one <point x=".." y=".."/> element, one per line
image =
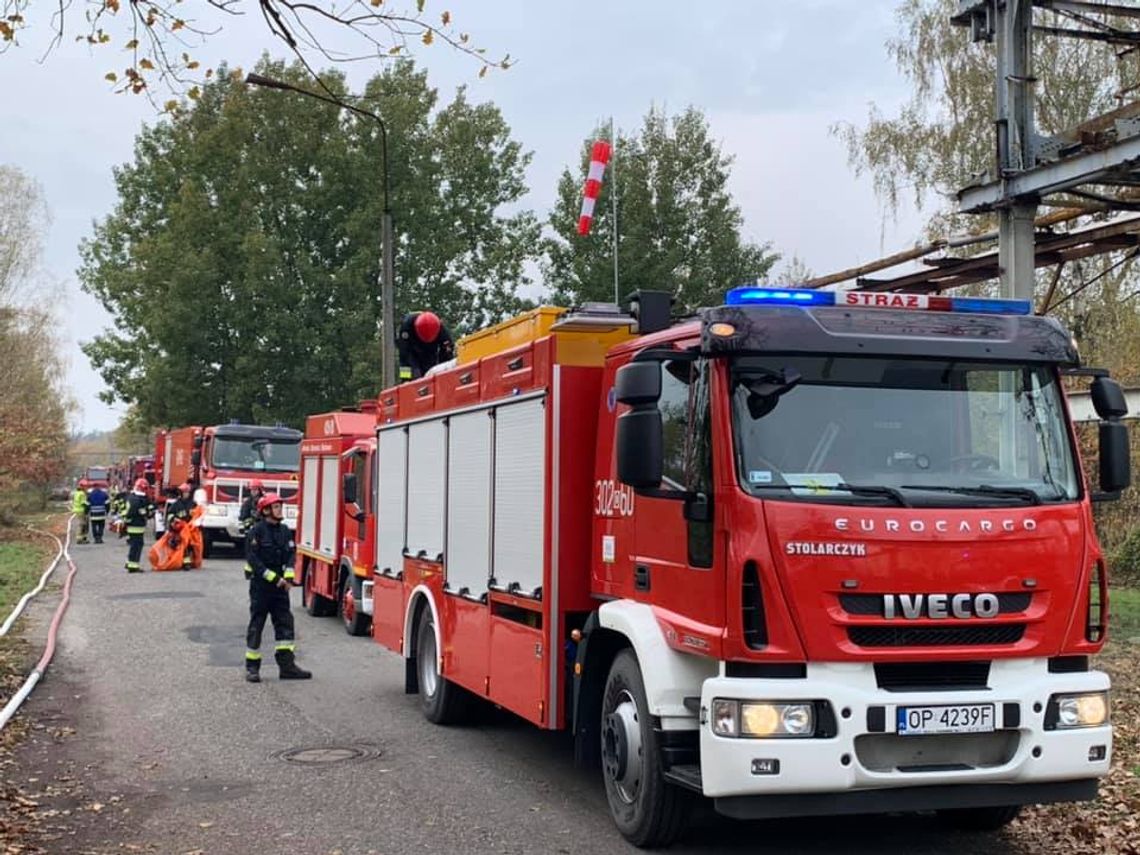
<point x="387" y="263"/>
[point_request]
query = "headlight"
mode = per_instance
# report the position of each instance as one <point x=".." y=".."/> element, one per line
<point x="763" y="719"/>
<point x="1089" y="709"/>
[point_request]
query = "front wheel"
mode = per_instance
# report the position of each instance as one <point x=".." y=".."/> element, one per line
<point x="442" y="701"/>
<point x="355" y="621"/>
<point x="648" y="811"/>
<point x="207" y="543"/>
<point x="979" y="819"/>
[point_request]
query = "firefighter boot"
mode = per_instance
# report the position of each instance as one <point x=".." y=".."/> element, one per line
<point x="253" y="670"/>
<point x="288" y="667"/>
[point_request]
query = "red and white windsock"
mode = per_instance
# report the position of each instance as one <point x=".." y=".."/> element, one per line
<point x="599" y="157"/>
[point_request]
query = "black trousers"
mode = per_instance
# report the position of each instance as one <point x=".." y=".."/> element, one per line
<point x="134" y="551"/>
<point x="97" y="525"/>
<point x="268" y="601"/>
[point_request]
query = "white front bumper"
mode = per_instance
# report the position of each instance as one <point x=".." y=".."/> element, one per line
<point x="230" y="521"/>
<point x="833" y="765"/>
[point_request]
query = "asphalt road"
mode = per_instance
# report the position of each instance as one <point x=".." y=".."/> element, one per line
<point x="183" y="756"/>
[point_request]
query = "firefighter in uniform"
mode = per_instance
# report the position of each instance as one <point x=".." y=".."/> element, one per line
<point x="139" y="509"/>
<point x="181" y="509"/>
<point x="79" y="508"/>
<point x="97" y="504"/>
<point x="248" y="514"/>
<point x="269" y="553"/>
<point x="423" y="342"/>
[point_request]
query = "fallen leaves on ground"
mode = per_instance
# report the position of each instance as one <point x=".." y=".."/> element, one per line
<point x="1111" y="824"/>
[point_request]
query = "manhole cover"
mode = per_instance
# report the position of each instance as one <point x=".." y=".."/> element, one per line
<point x="324" y="755"/>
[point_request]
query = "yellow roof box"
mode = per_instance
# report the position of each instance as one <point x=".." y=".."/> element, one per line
<point x="522" y="329"/>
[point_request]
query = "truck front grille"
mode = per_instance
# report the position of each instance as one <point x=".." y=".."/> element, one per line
<point x="935" y="636"/>
<point x="872" y="604"/>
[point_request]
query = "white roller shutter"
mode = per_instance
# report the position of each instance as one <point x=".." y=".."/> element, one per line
<point x="310" y="487"/>
<point x="427" y="459"/>
<point x="520" y="495"/>
<point x="469" y="503"/>
<point x="392" y="462"/>
<point x="330" y="505"/>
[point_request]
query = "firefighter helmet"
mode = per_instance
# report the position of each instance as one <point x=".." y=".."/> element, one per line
<point x="257" y="484"/>
<point x="141" y="485"/>
<point x="427" y="326"/>
<point x="184" y="487"/>
<point x="267" y="501"/>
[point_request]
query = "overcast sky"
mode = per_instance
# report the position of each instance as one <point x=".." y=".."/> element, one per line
<point x="771" y="77"/>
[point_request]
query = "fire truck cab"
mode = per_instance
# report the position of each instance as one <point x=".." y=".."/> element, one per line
<point x="808" y="552"/>
<point x="335" y="526"/>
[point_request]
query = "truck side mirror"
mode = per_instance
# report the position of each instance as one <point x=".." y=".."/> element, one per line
<point x="1115" y="457"/>
<point x="640" y="443"/>
<point x="348" y="488"/>
<point x="1108" y="399"/>
<point x="197" y="443"/>
<point x="195" y="458"/>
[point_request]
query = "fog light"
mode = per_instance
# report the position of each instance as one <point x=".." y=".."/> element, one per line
<point x="722" y="330"/>
<point x="1084" y="710"/>
<point x="724" y="717"/>
<point x="1097" y="753"/>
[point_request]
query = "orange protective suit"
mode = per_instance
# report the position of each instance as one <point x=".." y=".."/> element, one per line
<point x="167" y="552"/>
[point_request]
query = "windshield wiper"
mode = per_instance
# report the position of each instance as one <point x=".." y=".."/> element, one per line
<point x="1025" y="493"/>
<point x="854" y="489"/>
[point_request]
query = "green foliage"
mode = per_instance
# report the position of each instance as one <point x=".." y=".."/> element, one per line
<point x="241" y="262"/>
<point x="679" y="229"/>
<point x="1124" y="562"/>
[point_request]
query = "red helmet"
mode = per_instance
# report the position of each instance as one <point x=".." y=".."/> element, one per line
<point x="427" y="326"/>
<point x="184" y="487"/>
<point x="257" y="484"/>
<point x="141" y="485"/>
<point x="266" y="501"/>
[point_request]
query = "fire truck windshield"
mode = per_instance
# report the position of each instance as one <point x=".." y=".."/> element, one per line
<point x="924" y="432"/>
<point x="257" y="454"/>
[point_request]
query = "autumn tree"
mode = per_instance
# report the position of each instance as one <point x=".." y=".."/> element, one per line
<point x="34" y="406"/>
<point x="678" y="227"/>
<point x="241" y="261"/>
<point x="161" y="37"/>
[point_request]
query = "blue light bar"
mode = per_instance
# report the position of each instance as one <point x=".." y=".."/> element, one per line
<point x="751" y="295"/>
<point x="986" y="306"/>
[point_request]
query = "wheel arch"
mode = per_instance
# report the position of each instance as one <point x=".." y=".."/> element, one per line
<point x="669" y="675"/>
<point x="418" y="600"/>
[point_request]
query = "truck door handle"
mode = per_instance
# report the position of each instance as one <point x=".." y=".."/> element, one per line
<point x="641" y="577"/>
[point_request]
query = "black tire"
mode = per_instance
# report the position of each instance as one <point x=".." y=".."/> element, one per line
<point x="442" y="701"/>
<point x="979" y="819"/>
<point x="207" y="544"/>
<point x="354" y="621"/>
<point x="648" y="811"/>
<point x="315" y="605"/>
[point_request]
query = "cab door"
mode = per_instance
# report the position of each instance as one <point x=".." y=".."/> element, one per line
<point x="675" y="549"/>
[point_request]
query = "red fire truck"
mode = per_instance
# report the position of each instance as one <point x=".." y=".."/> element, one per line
<point x="221" y="461"/>
<point x="95" y="476"/>
<point x="335" y="546"/>
<point x="806" y="553"/>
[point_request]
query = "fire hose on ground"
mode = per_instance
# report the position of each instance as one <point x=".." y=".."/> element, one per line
<point x="53" y="630"/>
